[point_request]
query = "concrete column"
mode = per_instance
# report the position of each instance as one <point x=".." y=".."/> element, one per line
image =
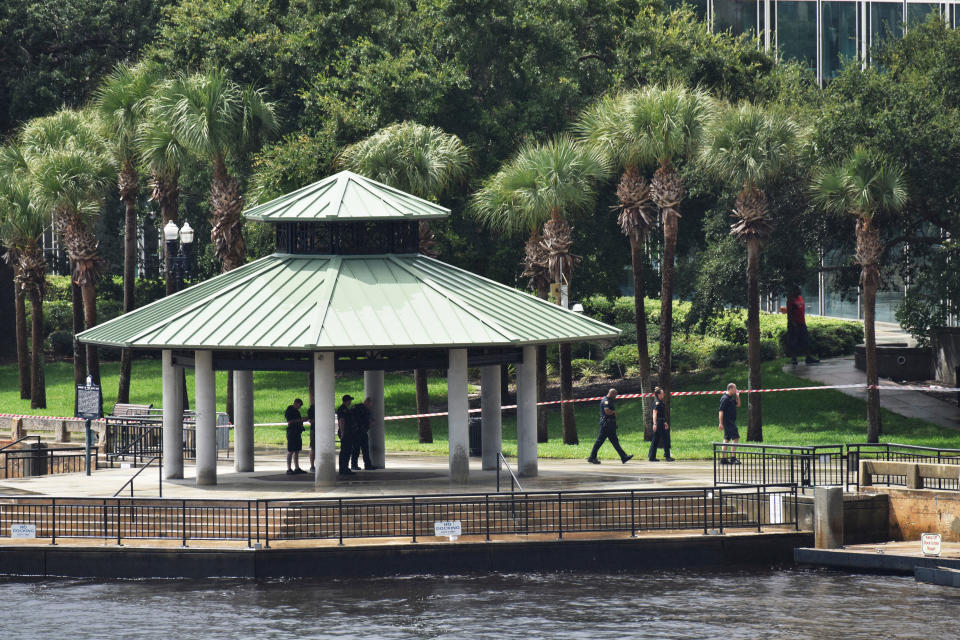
<point x="828" y="517"/>
<point x="490" y="413"/>
<point x="172" y="418"/>
<point x="326" y="431"/>
<point x="458" y="418"/>
<point x="373" y="389"/>
<point x="527" y="412"/>
<point x="243" y="420"/>
<point x="206" y="410"/>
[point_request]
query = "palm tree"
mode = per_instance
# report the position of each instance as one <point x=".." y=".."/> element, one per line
<point x="605" y="127"/>
<point x="12" y="168"/>
<point x="423" y="161"/>
<point x="665" y="125"/>
<point x="162" y="154"/>
<point x="546" y="184"/>
<point x="220" y="121"/>
<point x="865" y="184"/>
<point x="22" y="224"/>
<point x="747" y="146"/>
<point x="121" y="102"/>
<point x="71" y="173"/>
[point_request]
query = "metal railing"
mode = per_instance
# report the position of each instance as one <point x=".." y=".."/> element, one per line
<point x="159" y="460"/>
<point x="41" y="461"/>
<point x="825" y="465"/>
<point x="806" y="466"/>
<point x="706" y="509"/>
<point x="514" y="481"/>
<point x="891" y="452"/>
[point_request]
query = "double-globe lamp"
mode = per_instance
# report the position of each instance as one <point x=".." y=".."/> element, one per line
<point x="179" y="257"/>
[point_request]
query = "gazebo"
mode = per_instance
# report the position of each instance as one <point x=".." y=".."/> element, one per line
<point x="347" y="290"/>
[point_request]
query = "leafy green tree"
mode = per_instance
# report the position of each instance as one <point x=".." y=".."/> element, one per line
<point x="71" y="172"/>
<point x="424" y="161"/>
<point x="121" y="102"/>
<point x="864" y="185"/>
<point x="22" y="224"/>
<point x="546" y="184"/>
<point x="747" y="146"/>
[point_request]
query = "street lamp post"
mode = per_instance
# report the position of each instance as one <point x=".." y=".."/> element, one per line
<point x="181" y="257"/>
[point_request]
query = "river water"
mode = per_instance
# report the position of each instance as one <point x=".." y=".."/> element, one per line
<point x="748" y="603"/>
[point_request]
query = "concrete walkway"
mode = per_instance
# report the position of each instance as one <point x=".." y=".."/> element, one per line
<point x="406" y="474"/>
<point x="911" y="404"/>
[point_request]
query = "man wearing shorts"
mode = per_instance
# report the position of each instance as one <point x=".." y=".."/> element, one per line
<point x="729" y="402"/>
<point x="294" y="436"/>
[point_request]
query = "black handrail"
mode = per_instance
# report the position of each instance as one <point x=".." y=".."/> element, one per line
<point x="138" y="452"/>
<point x="18" y="441"/>
<point x="141" y="470"/>
<point x="513" y="477"/>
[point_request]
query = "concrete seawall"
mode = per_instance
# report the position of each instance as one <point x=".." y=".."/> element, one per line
<point x="624" y="554"/>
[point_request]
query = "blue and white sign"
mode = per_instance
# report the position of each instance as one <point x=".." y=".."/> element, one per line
<point x="449" y="528"/>
<point x="22" y="530"/>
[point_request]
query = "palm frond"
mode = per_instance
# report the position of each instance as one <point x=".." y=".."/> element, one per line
<point x="121" y="102"/>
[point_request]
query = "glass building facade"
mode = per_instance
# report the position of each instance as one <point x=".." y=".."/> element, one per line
<point x="823" y="33"/>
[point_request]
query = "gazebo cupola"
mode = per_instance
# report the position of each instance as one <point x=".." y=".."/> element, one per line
<point x="347" y="214"/>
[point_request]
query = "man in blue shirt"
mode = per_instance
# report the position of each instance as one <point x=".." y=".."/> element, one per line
<point x="727" y="416"/>
<point x="608" y="429"/>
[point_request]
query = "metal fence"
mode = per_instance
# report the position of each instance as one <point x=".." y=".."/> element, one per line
<point x="24" y="463"/>
<point x="805" y="466"/>
<point x="141" y="436"/>
<point x="824" y="465"/>
<point x="707" y="509"/>
<point x="891" y="452"/>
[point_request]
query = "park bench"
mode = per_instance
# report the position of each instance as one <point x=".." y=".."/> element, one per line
<point x="127" y="409"/>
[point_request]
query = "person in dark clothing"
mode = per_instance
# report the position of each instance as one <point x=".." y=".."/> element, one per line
<point x="727" y="415"/>
<point x="798" y="338"/>
<point x="361" y="417"/>
<point x="346" y="429"/>
<point x="608" y="429"/>
<point x="311" y="418"/>
<point x="661" y="428"/>
<point x="294" y="436"/>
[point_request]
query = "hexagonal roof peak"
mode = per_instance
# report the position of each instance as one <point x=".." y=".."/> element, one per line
<point x="346" y="197"/>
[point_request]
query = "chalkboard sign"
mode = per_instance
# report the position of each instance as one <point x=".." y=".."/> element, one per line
<point x="89" y="402"/>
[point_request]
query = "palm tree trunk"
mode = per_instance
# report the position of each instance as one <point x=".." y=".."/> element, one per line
<point x="23" y="358"/>
<point x="543" y="433"/>
<point x="643" y="352"/>
<point x="870" y="351"/>
<point x="89" y="291"/>
<point x="755" y="416"/>
<point x="79" y="353"/>
<point x="566" y="393"/>
<point x="424" y="429"/>
<point x="227" y="207"/>
<point x="38" y="392"/>
<point x="128" y="193"/>
<point x="670" y="224"/>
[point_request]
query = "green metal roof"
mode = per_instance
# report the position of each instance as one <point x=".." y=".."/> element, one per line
<point x="346" y="197"/>
<point x="294" y="302"/>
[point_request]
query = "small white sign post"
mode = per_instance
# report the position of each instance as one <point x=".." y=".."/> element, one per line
<point x="776" y="508"/>
<point x="23" y="530"/>
<point x="930" y="544"/>
<point x="448" y="528"/>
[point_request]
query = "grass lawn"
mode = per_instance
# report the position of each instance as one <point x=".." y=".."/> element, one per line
<point x="814" y="417"/>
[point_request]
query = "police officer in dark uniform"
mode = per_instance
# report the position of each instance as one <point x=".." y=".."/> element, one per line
<point x="346" y="429"/>
<point x="661" y="428"/>
<point x="361" y="417"/>
<point x="608" y="429"/>
<point x="294" y="438"/>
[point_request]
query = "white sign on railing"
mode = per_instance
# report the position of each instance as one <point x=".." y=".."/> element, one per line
<point x="776" y="508"/>
<point x="448" y="528"/>
<point x="23" y="530"/>
<point x="930" y="543"/>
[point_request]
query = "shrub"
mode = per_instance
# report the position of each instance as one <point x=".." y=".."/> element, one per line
<point x="61" y="343"/>
<point x="769" y="349"/>
<point x="623" y="311"/>
<point x="599" y="307"/>
<point x="617" y="360"/>
<point x="725" y="354"/>
<point x="584" y="369"/>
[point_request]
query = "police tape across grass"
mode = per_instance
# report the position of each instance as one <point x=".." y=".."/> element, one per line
<point x="814" y="417"/>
